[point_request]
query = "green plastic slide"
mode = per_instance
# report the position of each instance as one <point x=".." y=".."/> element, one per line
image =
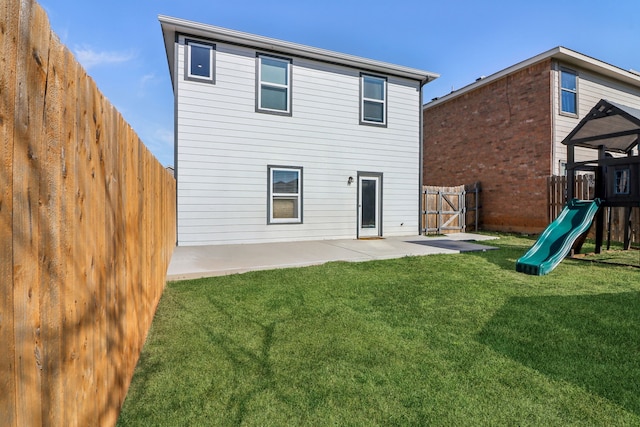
<point x="556" y="241"/>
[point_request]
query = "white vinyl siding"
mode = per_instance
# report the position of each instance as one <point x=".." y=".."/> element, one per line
<point x="592" y="88"/>
<point x="224" y="149"/>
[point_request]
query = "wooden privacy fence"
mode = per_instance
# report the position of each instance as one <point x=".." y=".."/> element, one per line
<point x="450" y="209"/>
<point x="87" y="229"/>
<point x="584" y="189"/>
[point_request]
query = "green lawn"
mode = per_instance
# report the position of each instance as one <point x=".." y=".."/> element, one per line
<point x="616" y="256"/>
<point x="438" y="340"/>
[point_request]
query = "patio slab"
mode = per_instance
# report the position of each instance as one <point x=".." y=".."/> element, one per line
<point x="190" y="262"/>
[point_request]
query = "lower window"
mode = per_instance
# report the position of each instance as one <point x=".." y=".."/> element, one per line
<point x="285" y="194"/>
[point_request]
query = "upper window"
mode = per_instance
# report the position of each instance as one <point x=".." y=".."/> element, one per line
<point x="199" y="61"/>
<point x="274" y="85"/>
<point x="373" y="103"/>
<point x="568" y="91"/>
<point x="285" y="194"/>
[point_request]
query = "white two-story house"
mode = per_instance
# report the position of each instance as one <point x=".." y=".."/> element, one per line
<point x="277" y="141"/>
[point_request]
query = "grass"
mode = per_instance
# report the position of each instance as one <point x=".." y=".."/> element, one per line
<point x="436" y="340"/>
<point x="615" y="256"/>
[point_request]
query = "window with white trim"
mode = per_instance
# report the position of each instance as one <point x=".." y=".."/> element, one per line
<point x="373" y="102"/>
<point x="199" y="61"/>
<point x="274" y="85"/>
<point x="285" y="194"/>
<point x="568" y="92"/>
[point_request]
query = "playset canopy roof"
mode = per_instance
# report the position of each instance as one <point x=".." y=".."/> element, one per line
<point x="614" y="126"/>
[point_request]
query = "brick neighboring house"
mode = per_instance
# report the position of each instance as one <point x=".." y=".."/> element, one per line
<point x="505" y="131"/>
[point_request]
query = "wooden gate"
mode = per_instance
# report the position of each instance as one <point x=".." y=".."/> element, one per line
<point x="444" y="209"/>
<point x="448" y="210"/>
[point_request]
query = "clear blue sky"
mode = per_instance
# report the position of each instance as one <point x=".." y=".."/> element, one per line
<point x="120" y="42"/>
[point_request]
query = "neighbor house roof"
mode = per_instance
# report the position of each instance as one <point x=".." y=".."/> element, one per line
<point x="566" y="56"/>
<point x="614" y="126"/>
<point x="172" y="26"/>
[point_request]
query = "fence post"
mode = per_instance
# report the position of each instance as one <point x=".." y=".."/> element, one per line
<point x="476" y="189"/>
<point x="627" y="228"/>
<point x="439" y="211"/>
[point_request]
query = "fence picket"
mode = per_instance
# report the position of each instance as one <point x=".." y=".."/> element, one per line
<point x="29" y="157"/>
<point x="9" y="19"/>
<point x="50" y="243"/>
<point x="69" y="231"/>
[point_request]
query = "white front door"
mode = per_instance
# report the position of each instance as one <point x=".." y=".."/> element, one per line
<point x="369" y="203"/>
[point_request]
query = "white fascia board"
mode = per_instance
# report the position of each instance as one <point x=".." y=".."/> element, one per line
<point x="561" y="54"/>
<point x="171" y="26"/>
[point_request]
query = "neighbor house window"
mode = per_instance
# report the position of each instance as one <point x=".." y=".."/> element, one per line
<point x="285" y="194"/>
<point x="199" y="61"/>
<point x="373" y="102"/>
<point x="568" y="91"/>
<point x="563" y="168"/>
<point x="622" y="181"/>
<point x="274" y="85"/>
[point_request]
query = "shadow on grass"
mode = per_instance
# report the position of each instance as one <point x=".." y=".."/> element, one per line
<point x="592" y="341"/>
<point x="244" y="359"/>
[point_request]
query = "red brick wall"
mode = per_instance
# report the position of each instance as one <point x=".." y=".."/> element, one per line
<point x="499" y="134"/>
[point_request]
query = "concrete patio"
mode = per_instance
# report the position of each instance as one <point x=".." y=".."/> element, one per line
<point x="190" y="262"/>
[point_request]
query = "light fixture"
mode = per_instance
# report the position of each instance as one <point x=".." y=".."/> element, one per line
<point x="350" y="180"/>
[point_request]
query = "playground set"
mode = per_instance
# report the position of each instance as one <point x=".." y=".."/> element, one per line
<point x="614" y="131"/>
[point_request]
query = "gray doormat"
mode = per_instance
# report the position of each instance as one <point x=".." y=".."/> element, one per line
<point x="455" y="245"/>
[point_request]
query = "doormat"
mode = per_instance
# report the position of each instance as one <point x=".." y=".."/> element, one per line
<point x="455" y="245"/>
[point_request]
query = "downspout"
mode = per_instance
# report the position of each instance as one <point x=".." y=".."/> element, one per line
<point x="423" y="82"/>
<point x="552" y="101"/>
<point x="174" y="81"/>
<point x="420" y="155"/>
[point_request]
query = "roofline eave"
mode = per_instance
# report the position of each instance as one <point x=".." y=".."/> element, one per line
<point x="172" y="26"/>
<point x="559" y="53"/>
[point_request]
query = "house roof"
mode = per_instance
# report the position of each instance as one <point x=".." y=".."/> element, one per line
<point x="614" y="126"/>
<point x="172" y="26"/>
<point x="566" y="56"/>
